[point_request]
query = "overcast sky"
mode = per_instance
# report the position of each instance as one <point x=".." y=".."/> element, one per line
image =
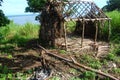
<point x="17" y="7"/>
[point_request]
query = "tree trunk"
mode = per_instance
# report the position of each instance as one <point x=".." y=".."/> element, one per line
<point x="52" y="25"/>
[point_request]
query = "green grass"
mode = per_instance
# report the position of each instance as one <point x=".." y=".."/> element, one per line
<point x="14" y="35"/>
<point x="90" y="61"/>
<point x="6" y="74"/>
<point x="115" y="26"/>
<point x="55" y="78"/>
<point x="70" y="26"/>
<point x="13" y="31"/>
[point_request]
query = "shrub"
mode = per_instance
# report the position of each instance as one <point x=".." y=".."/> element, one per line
<point x="115" y="25"/>
<point x="3" y="19"/>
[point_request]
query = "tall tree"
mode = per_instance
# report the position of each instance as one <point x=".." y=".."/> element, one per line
<point x="50" y="18"/>
<point x="3" y="18"/>
<point x="112" y="5"/>
<point x="0" y="2"/>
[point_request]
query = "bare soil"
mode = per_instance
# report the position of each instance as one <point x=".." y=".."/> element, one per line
<point x="28" y="57"/>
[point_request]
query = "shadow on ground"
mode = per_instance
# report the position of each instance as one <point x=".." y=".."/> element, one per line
<point x="19" y="54"/>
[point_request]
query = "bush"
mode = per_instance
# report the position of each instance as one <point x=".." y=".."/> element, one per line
<point x="3" y="19"/>
<point x="115" y="26"/>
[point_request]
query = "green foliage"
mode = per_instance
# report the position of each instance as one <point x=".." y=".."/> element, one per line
<point x="89" y="75"/>
<point x="116" y="50"/>
<point x="104" y="32"/>
<point x="75" y="78"/>
<point x="114" y="54"/>
<point x="73" y="71"/>
<point x="70" y="26"/>
<point x="0" y="2"/>
<point x="4" y="70"/>
<point x="116" y="70"/>
<point x="115" y="23"/>
<point x="112" y="5"/>
<point x="35" y="5"/>
<point x="91" y="61"/>
<point x="86" y="76"/>
<point x="55" y="78"/>
<point x="62" y="51"/>
<point x="13" y="35"/>
<point x="14" y="32"/>
<point x="115" y="26"/>
<point x="111" y="57"/>
<point x="5" y="73"/>
<point x="3" y="19"/>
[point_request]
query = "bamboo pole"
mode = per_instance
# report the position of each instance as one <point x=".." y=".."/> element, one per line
<point x="83" y="32"/>
<point x="65" y="37"/>
<point x="96" y="32"/>
<point x="109" y="30"/>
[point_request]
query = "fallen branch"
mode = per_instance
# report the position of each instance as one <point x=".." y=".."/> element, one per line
<point x="94" y="70"/>
<point x="78" y="64"/>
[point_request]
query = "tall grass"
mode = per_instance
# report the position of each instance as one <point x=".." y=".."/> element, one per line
<point x="18" y="34"/>
<point x="28" y="31"/>
<point x="115" y="25"/>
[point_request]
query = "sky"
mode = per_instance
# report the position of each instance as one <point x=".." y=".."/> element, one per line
<point x="17" y="7"/>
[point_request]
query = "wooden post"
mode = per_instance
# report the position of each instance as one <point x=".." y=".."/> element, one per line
<point x="96" y="32"/>
<point x="83" y="32"/>
<point x="109" y="30"/>
<point x="65" y="37"/>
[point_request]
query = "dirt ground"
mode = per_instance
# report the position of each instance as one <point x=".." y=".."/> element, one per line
<point x="25" y="59"/>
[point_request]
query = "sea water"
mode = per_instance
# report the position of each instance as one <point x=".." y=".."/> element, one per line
<point x="22" y="19"/>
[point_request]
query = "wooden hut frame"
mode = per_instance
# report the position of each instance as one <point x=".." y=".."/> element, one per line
<point x="84" y="11"/>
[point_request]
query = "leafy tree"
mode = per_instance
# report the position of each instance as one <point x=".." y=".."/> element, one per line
<point x="50" y="18"/>
<point x="0" y="2"/>
<point x="3" y="19"/>
<point x="112" y="5"/>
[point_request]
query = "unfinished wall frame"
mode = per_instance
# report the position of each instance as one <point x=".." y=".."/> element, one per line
<point x="84" y="11"/>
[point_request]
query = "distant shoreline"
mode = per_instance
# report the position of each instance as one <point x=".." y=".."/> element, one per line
<point x="22" y="15"/>
<point x="23" y="18"/>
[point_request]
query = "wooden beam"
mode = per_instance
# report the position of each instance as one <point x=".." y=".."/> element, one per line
<point x="65" y="37"/>
<point x="83" y="32"/>
<point x="76" y="19"/>
<point x="74" y="1"/>
<point x="96" y="32"/>
<point x="109" y="30"/>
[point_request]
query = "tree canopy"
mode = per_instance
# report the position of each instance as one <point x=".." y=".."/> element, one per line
<point x="112" y="5"/>
<point x="0" y="2"/>
<point x="35" y="5"/>
<point x="3" y="19"/>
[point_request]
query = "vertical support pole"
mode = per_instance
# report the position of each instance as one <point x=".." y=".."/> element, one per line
<point x="65" y="37"/>
<point x="96" y="32"/>
<point x="109" y="30"/>
<point x="83" y="32"/>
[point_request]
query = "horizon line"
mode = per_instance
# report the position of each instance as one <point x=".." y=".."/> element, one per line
<point x="26" y="14"/>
